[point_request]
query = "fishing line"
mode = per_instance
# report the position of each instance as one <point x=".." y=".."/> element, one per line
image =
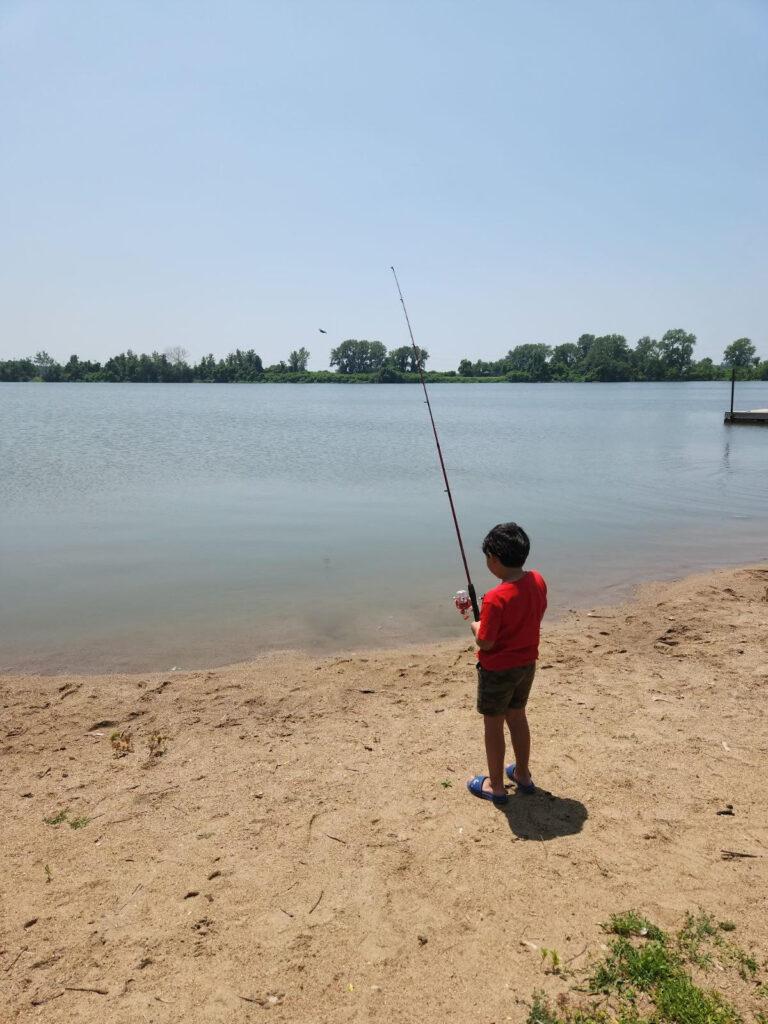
<point x="417" y="358"/>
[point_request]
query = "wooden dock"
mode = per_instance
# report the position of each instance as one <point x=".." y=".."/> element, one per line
<point x="747" y="416"/>
<point x="744" y="415"/>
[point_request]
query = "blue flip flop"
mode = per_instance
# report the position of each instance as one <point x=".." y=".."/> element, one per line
<point x="475" y="787"/>
<point x="512" y="776"/>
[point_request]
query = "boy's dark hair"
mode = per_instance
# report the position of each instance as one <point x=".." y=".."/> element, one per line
<point x="509" y="543"/>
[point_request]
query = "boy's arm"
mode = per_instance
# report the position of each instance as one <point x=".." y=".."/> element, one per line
<point x="484" y="645"/>
<point x="486" y="630"/>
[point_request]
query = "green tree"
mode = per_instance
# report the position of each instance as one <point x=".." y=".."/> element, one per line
<point x="243" y="365"/>
<point x="297" y="360"/>
<point x="353" y="356"/>
<point x="565" y="360"/>
<point x="17" y="370"/>
<point x="206" y="369"/>
<point x="406" y="360"/>
<point x="704" y="369"/>
<point x="465" y="368"/>
<point x="740" y="353"/>
<point x="73" y="369"/>
<point x="529" y="359"/>
<point x="608" y="359"/>
<point x="584" y="344"/>
<point x="79" y="369"/>
<point x="676" y="352"/>
<point x="646" y="359"/>
<point x="47" y="366"/>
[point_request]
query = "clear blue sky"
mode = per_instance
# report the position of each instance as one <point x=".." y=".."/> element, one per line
<point x="216" y="175"/>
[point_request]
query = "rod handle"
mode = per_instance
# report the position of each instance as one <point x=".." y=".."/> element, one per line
<point x="473" y="599"/>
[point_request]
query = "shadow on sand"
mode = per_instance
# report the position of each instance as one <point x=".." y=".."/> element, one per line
<point x="542" y="815"/>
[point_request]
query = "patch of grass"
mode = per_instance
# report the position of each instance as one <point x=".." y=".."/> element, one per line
<point x="631" y="923"/>
<point x="693" y="936"/>
<point x="446" y="783"/>
<point x="644" y="978"/>
<point x="680" y="1001"/>
<point x="57" y="819"/>
<point x="700" y="929"/>
<point x="80" y="822"/>
<point x="747" y="965"/>
<point x="634" y="967"/>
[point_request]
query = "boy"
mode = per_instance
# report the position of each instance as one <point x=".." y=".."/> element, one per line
<point x="507" y="636"/>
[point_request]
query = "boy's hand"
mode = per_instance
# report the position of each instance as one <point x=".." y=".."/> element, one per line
<point x="474" y="626"/>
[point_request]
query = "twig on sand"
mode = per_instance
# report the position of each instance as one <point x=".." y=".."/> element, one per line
<point x="18" y="957"/>
<point x="129" y="898"/>
<point x="81" y="988"/>
<point x="335" y="838"/>
<point x="734" y="854"/>
<point x="316" y="904"/>
<point x="47" y="999"/>
<point x="576" y="955"/>
<point x="286" y="912"/>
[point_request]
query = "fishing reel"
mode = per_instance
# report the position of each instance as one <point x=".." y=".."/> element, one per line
<point x="463" y="602"/>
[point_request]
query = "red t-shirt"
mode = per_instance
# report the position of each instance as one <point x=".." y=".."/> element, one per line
<point x="511" y="618"/>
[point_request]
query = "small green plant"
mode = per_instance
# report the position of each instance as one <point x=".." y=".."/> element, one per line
<point x="80" y="822"/>
<point x="446" y="783"/>
<point x="631" y="923"/>
<point x="747" y="965"/>
<point x="727" y="926"/>
<point x="552" y="959"/>
<point x="57" y="819"/>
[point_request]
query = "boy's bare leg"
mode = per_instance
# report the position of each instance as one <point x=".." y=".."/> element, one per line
<point x="521" y="743"/>
<point x="494" y="752"/>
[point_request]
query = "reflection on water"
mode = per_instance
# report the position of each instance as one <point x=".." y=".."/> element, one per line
<point x="151" y="525"/>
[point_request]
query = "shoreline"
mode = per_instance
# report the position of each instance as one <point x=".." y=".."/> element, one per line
<point x="306" y="842"/>
<point x="612" y="595"/>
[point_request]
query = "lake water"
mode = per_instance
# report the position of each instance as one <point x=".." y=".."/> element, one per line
<point x="147" y="526"/>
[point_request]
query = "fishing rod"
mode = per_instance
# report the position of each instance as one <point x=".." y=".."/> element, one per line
<point x="417" y="358"/>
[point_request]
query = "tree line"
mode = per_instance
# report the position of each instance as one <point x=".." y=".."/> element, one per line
<point x="609" y="357"/>
<point x="606" y="357"/>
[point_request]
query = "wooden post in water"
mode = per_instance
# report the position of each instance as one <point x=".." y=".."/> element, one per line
<point x="733" y="385"/>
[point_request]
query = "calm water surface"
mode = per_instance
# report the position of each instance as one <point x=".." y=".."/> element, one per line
<point x="147" y="526"/>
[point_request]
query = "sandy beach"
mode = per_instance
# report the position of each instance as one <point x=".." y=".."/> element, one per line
<point x="292" y="840"/>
